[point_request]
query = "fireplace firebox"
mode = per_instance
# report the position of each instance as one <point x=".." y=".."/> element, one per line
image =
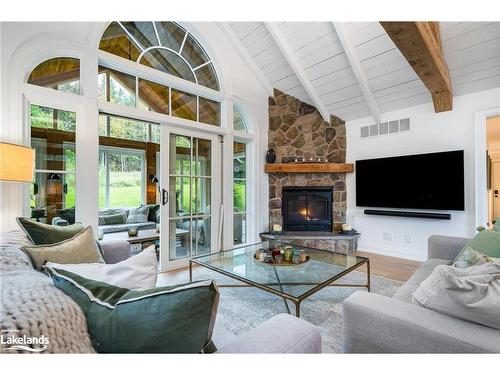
<point x="307" y="208"/>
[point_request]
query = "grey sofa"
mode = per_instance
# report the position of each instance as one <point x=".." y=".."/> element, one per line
<point x="378" y="324"/>
<point x="33" y="306"/>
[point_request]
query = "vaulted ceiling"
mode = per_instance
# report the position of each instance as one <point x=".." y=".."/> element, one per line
<point x="354" y="69"/>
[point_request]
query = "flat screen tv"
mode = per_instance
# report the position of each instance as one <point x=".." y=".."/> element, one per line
<point x="432" y="181"/>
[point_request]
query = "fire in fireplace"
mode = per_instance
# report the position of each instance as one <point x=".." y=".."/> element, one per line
<point x="307" y="208"/>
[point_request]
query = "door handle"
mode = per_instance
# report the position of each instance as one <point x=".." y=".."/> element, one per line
<point x="164" y="197"/>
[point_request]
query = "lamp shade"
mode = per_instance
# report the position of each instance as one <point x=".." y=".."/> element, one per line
<point x="16" y="162"/>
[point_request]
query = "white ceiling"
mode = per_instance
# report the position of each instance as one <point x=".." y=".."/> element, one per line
<point x="471" y="49"/>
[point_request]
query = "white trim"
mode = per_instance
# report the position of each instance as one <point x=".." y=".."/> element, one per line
<point x="297" y="68"/>
<point x="109" y="60"/>
<point x="480" y="173"/>
<point x="245" y="56"/>
<point x="183" y="42"/>
<point x="202" y="65"/>
<point x="150" y="116"/>
<point x="357" y="69"/>
<point x="156" y="33"/>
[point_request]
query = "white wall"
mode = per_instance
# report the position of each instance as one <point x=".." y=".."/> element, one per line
<point x="430" y="132"/>
<point x="18" y="38"/>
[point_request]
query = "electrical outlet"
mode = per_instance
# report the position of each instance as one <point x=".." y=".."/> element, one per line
<point x="408" y="238"/>
<point x="387" y="236"/>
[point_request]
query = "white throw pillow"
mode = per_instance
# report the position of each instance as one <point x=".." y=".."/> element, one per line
<point x="138" y="272"/>
<point x="471" y="293"/>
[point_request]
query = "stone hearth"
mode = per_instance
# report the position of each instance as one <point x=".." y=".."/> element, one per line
<point x="297" y="129"/>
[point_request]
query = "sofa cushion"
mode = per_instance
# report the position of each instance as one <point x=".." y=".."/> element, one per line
<point x="138" y="215"/>
<point x="405" y="292"/>
<point x="471" y="293"/>
<point x="138" y="272"/>
<point x="82" y="248"/>
<point x="154" y="209"/>
<point x="67" y="214"/>
<point x="113" y="219"/>
<point x="43" y="234"/>
<point x="124" y="227"/>
<point x="173" y="319"/>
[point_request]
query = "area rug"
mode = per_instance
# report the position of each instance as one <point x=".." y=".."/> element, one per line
<point x="241" y="309"/>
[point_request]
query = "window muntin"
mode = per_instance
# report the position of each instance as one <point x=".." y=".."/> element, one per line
<point x="239" y="193"/>
<point x="60" y="73"/>
<point x="190" y="180"/>
<point x="54" y="180"/>
<point x="165" y="46"/>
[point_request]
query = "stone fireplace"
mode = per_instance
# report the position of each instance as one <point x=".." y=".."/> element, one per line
<point x="297" y="129"/>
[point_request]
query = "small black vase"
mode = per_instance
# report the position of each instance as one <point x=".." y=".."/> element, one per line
<point x="271" y="156"/>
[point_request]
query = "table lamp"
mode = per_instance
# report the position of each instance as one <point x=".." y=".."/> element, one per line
<point x="16" y="162"/>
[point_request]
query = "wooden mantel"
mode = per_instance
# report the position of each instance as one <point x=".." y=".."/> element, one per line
<point x="309" y="168"/>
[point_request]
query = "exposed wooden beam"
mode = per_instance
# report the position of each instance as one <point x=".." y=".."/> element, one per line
<point x="420" y="44"/>
<point x="249" y="61"/>
<point x="299" y="71"/>
<point x="357" y="69"/>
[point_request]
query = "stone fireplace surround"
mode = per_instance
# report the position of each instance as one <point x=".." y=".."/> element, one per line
<point x="297" y="128"/>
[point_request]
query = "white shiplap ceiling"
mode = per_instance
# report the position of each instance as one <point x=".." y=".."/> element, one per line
<point x="471" y="50"/>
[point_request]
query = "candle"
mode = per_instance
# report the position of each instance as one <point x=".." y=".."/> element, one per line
<point x="276" y="228"/>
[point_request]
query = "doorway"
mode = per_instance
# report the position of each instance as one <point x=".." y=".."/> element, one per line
<point x="493" y="168"/>
<point x="190" y="196"/>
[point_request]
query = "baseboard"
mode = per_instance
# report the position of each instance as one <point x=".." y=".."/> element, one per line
<point x="403" y="253"/>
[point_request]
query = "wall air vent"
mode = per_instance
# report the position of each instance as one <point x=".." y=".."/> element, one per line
<point x="385" y="128"/>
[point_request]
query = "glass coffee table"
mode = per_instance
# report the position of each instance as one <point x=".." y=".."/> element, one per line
<point x="294" y="282"/>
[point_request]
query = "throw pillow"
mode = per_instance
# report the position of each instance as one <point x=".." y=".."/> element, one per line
<point x="153" y="210"/>
<point x="470" y="294"/>
<point x="486" y="242"/>
<point x="469" y="257"/>
<point x="173" y="319"/>
<point x="67" y="214"/>
<point x="113" y="219"/>
<point x="496" y="226"/>
<point x="82" y="248"/>
<point x="138" y="215"/>
<point x="138" y="272"/>
<point x="42" y="234"/>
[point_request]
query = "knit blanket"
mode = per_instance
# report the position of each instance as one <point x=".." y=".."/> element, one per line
<point x="35" y="316"/>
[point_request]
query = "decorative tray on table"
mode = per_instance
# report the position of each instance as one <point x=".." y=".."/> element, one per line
<point x="276" y="258"/>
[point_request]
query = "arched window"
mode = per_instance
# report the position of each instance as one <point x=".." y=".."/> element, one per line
<point x="239" y="122"/>
<point x="60" y="73"/>
<point x="164" y="46"/>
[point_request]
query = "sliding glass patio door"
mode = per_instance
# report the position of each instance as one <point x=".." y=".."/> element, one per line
<point x="190" y="196"/>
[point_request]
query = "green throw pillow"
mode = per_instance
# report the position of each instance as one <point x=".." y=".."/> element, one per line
<point x="81" y="248"/>
<point x="44" y="234"/>
<point x="486" y="242"/>
<point x="113" y="219"/>
<point x="173" y="319"/>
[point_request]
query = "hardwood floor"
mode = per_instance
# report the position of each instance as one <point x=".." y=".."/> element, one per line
<point x="389" y="267"/>
<point x="380" y="265"/>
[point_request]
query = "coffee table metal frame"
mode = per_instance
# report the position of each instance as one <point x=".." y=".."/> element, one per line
<point x="266" y="286"/>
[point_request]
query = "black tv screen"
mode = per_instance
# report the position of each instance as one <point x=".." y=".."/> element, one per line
<point x="432" y="181"/>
